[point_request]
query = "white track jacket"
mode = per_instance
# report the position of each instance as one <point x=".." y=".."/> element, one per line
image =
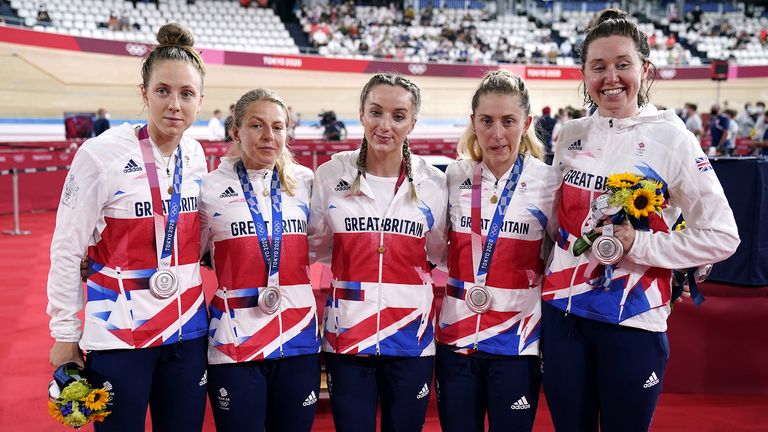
<point x="380" y="303"/>
<point x="511" y="326"/>
<point x="653" y="144"/>
<point x="106" y="208"/>
<point x="239" y="330"/>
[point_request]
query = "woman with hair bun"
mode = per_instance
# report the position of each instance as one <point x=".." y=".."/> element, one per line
<point x="378" y="215"/>
<point x="500" y="201"/>
<point x="604" y="317"/>
<point x="263" y="352"/>
<point x="130" y="204"/>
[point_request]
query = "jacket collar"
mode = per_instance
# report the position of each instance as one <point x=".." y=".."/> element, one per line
<point x="648" y="114"/>
<point x="348" y="161"/>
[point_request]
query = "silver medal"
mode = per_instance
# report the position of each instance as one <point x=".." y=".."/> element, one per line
<point x="269" y="300"/>
<point x="163" y="284"/>
<point x="608" y="250"/>
<point x="479" y="299"/>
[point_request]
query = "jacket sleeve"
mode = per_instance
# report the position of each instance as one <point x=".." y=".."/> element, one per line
<point x="710" y="233"/>
<point x="436" y="198"/>
<point x="205" y="218"/>
<point x="82" y="199"/>
<point x="319" y="230"/>
<point x="551" y="178"/>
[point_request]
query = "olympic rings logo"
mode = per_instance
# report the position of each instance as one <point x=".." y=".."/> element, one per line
<point x="137" y="50"/>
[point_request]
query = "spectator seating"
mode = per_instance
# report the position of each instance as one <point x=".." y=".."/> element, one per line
<point x="451" y="31"/>
<point x="217" y="25"/>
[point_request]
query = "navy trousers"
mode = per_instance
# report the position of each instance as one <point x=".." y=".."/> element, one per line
<point x="468" y="387"/>
<point x="170" y="379"/>
<point x="356" y="383"/>
<point x="600" y="373"/>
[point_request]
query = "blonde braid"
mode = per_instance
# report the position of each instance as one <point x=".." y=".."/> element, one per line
<point x="408" y="169"/>
<point x="360" y="166"/>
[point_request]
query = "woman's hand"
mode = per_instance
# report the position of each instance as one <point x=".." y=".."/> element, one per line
<point x="626" y="234"/>
<point x="84" y="269"/>
<point x="66" y="352"/>
<point x="685" y="294"/>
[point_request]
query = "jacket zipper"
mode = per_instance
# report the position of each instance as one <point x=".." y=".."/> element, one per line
<point x="119" y="274"/>
<point x="576" y="268"/>
<point x="477" y="331"/>
<point x="378" y="306"/>
<point x="229" y="317"/>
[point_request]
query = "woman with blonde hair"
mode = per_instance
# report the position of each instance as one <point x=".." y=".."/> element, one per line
<point x="263" y="352"/>
<point x="501" y="200"/>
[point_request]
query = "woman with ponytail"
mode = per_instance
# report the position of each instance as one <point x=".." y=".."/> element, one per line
<point x="500" y="202"/>
<point x="130" y="201"/>
<point x="378" y="217"/>
<point x="264" y="339"/>
<point x="604" y="316"/>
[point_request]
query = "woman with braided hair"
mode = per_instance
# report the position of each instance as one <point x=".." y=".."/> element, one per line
<point x="378" y="216"/>
<point x="130" y="203"/>
<point x="500" y="202"/>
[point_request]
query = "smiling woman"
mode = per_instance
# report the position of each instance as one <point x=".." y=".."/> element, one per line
<point x="604" y="321"/>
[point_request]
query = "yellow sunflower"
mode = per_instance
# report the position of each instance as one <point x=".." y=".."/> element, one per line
<point x="643" y="203"/>
<point x="97" y="399"/>
<point x="622" y="180"/>
<point x="98" y="417"/>
<point x="680" y="226"/>
<point x="55" y="412"/>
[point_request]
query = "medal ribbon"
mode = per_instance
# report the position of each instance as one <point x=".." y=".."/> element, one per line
<point x="164" y="230"/>
<point x="481" y="259"/>
<point x="271" y="255"/>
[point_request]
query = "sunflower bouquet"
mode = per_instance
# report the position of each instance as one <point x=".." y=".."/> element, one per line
<point x="628" y="195"/>
<point x="72" y="400"/>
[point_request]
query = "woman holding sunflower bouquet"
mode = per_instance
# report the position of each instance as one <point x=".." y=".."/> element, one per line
<point x="628" y="172"/>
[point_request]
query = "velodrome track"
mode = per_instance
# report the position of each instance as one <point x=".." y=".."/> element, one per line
<point x="37" y="82"/>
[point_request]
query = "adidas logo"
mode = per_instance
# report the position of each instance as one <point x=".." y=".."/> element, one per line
<point x="204" y="379"/>
<point x="131" y="167"/>
<point x="311" y="399"/>
<point x="342" y="186"/>
<point x="651" y="381"/>
<point x="424" y="392"/>
<point x="466" y="184"/>
<point x="521" y="404"/>
<point x="576" y="145"/>
<point x="228" y="193"/>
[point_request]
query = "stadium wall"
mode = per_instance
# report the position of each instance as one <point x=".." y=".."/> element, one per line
<point x="45" y="74"/>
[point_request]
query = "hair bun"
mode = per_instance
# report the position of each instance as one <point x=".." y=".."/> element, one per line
<point x="607" y="14"/>
<point x="174" y="34"/>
